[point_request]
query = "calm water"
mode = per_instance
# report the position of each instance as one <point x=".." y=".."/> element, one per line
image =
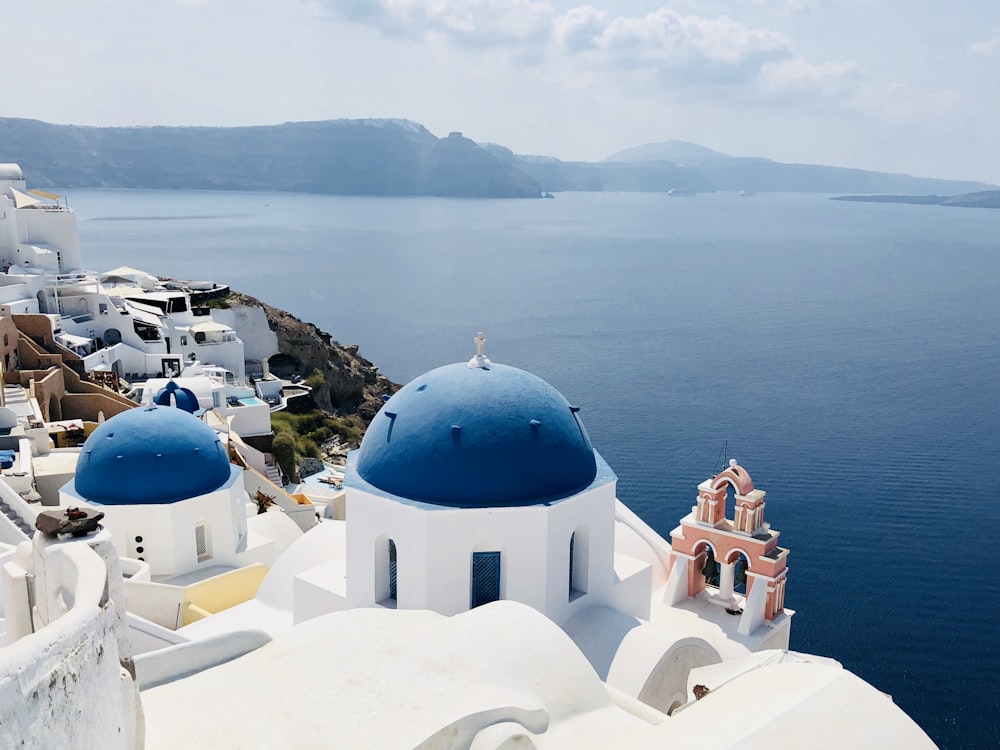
<point x="848" y="353"/>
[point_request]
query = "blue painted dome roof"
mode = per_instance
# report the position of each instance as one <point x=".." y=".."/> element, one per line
<point x="174" y="395"/>
<point x="477" y="437"/>
<point x="151" y="455"/>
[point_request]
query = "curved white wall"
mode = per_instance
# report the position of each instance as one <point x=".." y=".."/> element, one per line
<point x="49" y="679"/>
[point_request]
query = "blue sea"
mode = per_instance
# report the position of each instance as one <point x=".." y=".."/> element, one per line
<point x="846" y="353"/>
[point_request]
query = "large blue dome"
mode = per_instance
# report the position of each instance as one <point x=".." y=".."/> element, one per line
<point x="477" y="437"/>
<point x="151" y="455"/>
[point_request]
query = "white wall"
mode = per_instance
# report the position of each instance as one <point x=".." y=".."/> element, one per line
<point x="168" y="530"/>
<point x="67" y="662"/>
<point x="434" y="552"/>
<point x="250" y="324"/>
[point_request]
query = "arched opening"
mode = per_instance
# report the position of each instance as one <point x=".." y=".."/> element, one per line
<point x="385" y="570"/>
<point x="666" y="684"/>
<point x="709" y="567"/>
<point x="43" y="305"/>
<point x="485" y="583"/>
<point x="112" y="336"/>
<point x="579" y="562"/>
<point x="740" y="577"/>
<point x="392" y="570"/>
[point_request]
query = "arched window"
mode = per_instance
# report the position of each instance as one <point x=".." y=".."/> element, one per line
<point x="485" y="586"/>
<point x="385" y="570"/>
<point x="579" y="559"/>
<point x="392" y="570"/>
<point x="711" y="569"/>
<point x="740" y="575"/>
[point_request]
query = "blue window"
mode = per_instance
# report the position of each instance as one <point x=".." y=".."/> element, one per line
<point x="485" y="578"/>
<point x="392" y="569"/>
<point x="572" y="544"/>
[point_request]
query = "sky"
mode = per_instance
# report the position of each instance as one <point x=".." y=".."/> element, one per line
<point x="894" y="85"/>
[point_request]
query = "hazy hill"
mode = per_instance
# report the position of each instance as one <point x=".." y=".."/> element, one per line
<point x="351" y="157"/>
<point x="678" y="152"/>
<point x="981" y="199"/>
<point x="725" y="172"/>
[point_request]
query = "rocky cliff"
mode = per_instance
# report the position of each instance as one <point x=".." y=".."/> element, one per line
<point x="350" y="385"/>
<point x="339" y="157"/>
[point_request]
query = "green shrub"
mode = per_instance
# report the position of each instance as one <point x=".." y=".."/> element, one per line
<point x="283" y="449"/>
<point x="306" y="447"/>
<point x="315" y="380"/>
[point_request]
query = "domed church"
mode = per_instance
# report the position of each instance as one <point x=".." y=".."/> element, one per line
<point x="170" y="496"/>
<point x="478" y="482"/>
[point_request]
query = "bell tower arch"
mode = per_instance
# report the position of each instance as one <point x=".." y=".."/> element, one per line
<point x="710" y="549"/>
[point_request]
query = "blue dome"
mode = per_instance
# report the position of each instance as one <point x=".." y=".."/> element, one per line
<point x="173" y="395"/>
<point x="477" y="437"/>
<point x="151" y="455"/>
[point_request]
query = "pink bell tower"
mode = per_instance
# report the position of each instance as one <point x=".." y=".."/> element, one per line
<point x="708" y="542"/>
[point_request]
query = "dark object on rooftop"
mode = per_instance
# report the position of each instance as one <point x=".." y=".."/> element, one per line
<point x="75" y="521"/>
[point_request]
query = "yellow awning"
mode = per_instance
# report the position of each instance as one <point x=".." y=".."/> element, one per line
<point x="50" y="196"/>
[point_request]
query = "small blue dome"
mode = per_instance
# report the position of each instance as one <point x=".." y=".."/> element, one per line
<point x="477" y="437"/>
<point x="173" y="395"/>
<point x="151" y="455"/>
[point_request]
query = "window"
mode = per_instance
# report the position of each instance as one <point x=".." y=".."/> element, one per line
<point x="572" y="544"/>
<point x="392" y="569"/>
<point x="203" y="542"/>
<point x="578" y="562"/>
<point x="485" y="586"/>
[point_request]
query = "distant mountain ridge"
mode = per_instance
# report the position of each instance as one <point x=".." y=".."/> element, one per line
<point x="694" y="167"/>
<point x="347" y="157"/>
<point x="400" y="157"/>
<point x="979" y="199"/>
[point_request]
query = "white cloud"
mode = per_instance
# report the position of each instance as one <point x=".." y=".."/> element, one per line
<point x="464" y="22"/>
<point x="797" y="76"/>
<point x="899" y="101"/>
<point x="706" y="48"/>
<point x="665" y="49"/>
<point x="987" y="47"/>
<point x="788" y="7"/>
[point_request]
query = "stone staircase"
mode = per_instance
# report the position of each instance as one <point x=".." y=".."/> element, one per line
<point x="18" y="521"/>
<point x="273" y="473"/>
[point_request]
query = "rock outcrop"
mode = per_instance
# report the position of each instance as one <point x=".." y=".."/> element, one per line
<point x="351" y="386"/>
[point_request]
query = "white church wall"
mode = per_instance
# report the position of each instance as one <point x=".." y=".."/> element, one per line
<point x="375" y="520"/>
<point x="144" y="532"/>
<point x="167" y="533"/>
<point x="434" y="550"/>
<point x="518" y="534"/>
<point x="591" y="516"/>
